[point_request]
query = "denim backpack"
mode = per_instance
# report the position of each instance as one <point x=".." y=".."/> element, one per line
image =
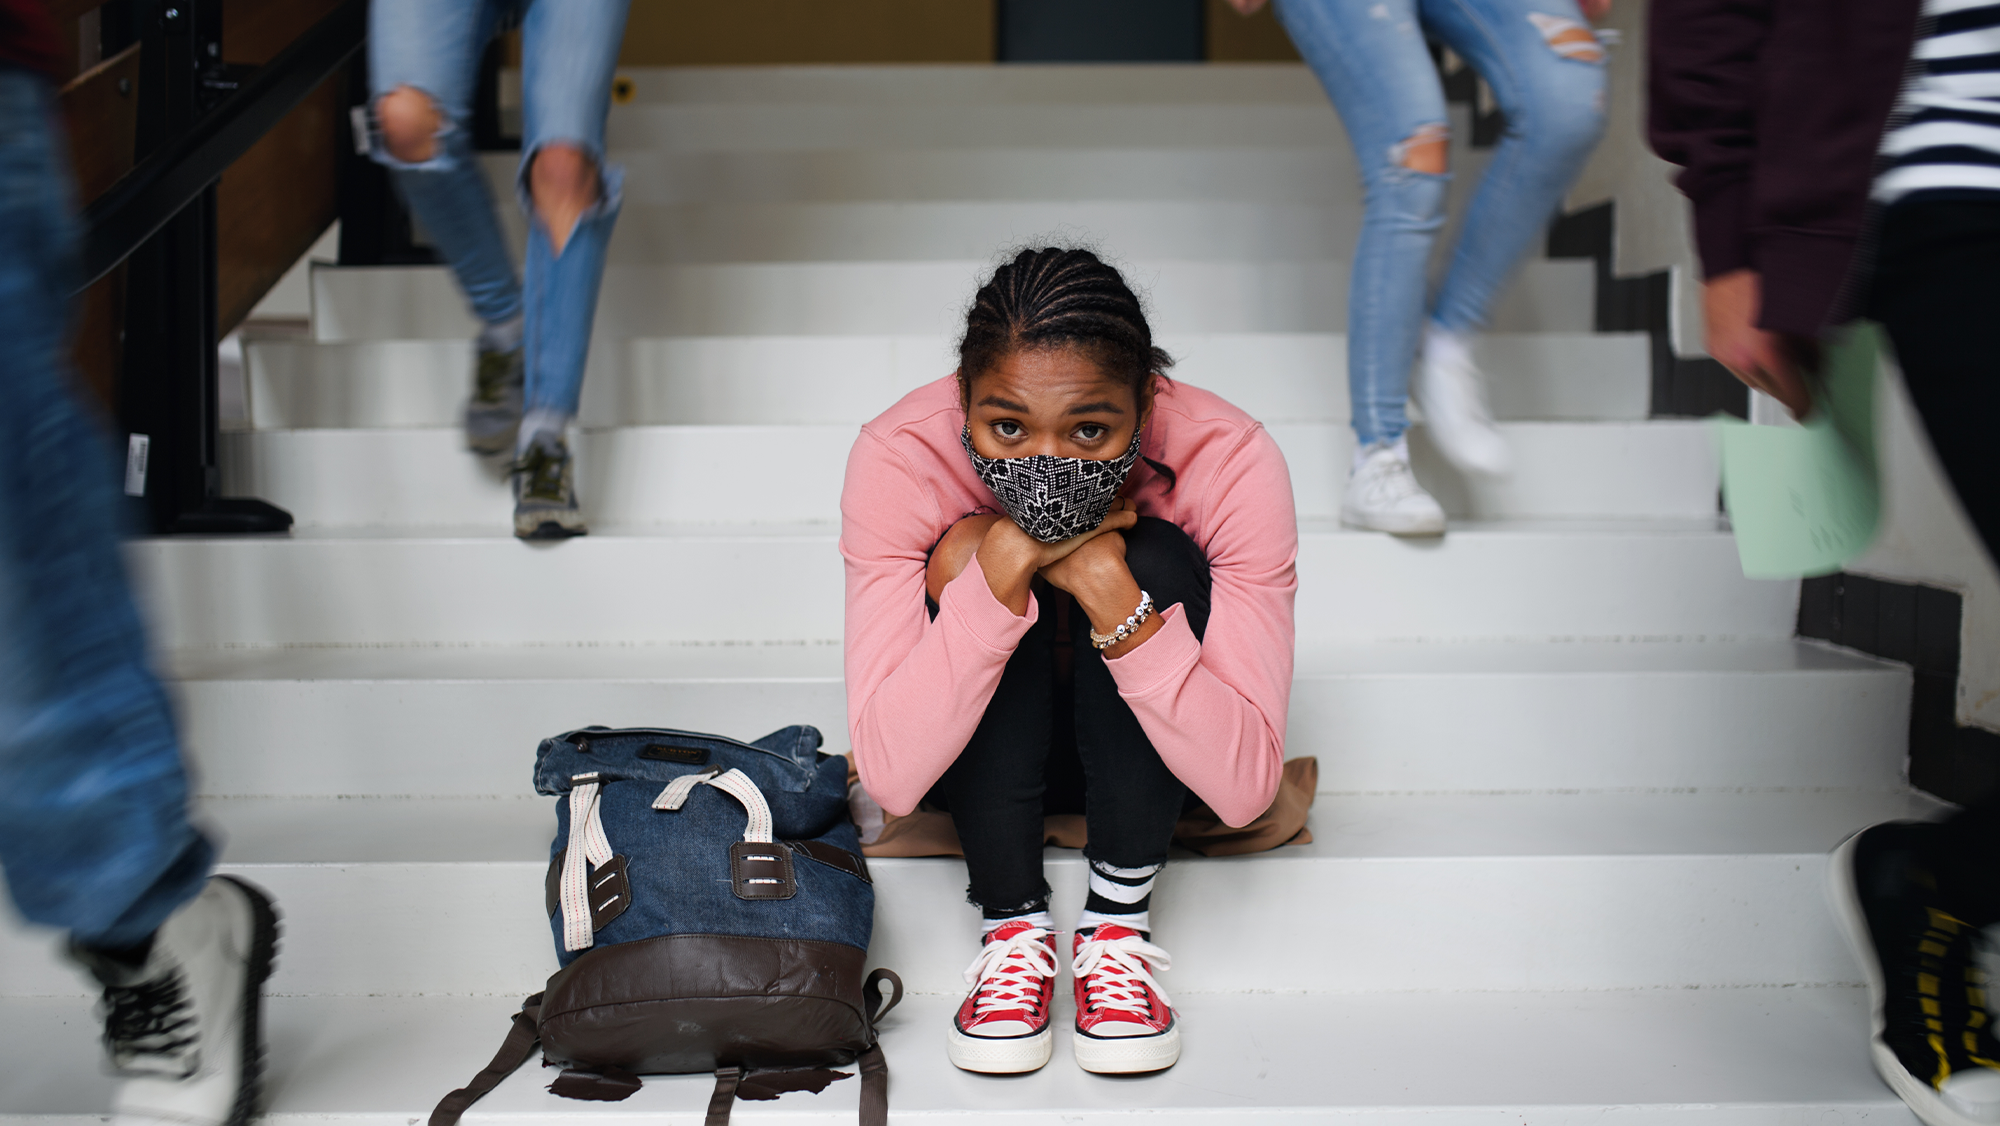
<point x="711" y="911"/>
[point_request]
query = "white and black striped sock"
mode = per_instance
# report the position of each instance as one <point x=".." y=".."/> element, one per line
<point x="1122" y="896"/>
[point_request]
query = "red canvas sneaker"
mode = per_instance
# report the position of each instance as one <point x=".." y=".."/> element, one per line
<point x="1003" y="1026"/>
<point x="1124" y="1023"/>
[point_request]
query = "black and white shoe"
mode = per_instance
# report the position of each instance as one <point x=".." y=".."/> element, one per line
<point x="184" y="1029"/>
<point x="1933" y="1039"/>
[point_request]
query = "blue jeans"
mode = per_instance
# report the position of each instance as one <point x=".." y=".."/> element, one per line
<point x="1371" y="57"/>
<point x="569" y="50"/>
<point x="94" y="832"/>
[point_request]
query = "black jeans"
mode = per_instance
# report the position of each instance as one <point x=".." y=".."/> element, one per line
<point x="1056" y="738"/>
<point x="1937" y="292"/>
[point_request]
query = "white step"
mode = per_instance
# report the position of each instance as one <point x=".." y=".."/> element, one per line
<point x="709" y="474"/>
<point x="1382" y="718"/>
<point x="789" y="232"/>
<point x="978" y="84"/>
<point x="1398" y="892"/>
<point x="793" y="125"/>
<point x="1295" y="174"/>
<point x="480" y="586"/>
<point x="764" y="380"/>
<point x="369" y="303"/>
<point x="1740" y="1057"/>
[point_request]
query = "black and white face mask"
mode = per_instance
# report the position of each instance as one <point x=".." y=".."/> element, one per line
<point x="1053" y="498"/>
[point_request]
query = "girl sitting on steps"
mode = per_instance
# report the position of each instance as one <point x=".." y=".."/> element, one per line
<point x="1069" y="589"/>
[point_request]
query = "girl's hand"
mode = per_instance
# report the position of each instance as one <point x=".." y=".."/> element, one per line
<point x="1010" y="557"/>
<point x="1593" y="10"/>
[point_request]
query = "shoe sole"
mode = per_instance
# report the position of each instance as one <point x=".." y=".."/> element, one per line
<point x="547" y="530"/>
<point x="1392" y="527"/>
<point x="1845" y="899"/>
<point x="1127" y="1055"/>
<point x="987" y="1055"/>
<point x="263" y="957"/>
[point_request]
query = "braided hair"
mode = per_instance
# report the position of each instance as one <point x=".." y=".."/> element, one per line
<point x="1062" y="298"/>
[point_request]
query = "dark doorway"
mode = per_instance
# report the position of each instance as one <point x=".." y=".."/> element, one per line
<point x="1100" y="31"/>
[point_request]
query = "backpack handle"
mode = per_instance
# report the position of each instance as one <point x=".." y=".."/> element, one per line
<point x="733" y="782"/>
<point x="759" y="867"/>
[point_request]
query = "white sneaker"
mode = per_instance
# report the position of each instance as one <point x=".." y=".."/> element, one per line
<point x="1452" y="394"/>
<point x="184" y="1030"/>
<point x="1383" y="496"/>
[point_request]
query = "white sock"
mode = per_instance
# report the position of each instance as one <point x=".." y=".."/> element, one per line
<point x="1033" y="918"/>
<point x="541" y="424"/>
<point x="504" y="336"/>
<point x="1401" y="445"/>
<point x="1141" y="922"/>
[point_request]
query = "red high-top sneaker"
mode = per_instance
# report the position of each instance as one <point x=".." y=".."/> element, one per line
<point x="1003" y="1026"/>
<point x="1124" y="1022"/>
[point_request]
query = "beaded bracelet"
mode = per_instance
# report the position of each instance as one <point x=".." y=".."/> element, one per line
<point x="1126" y="628"/>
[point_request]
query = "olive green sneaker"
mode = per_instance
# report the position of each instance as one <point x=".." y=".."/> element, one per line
<point x="493" y="415"/>
<point x="545" y="505"/>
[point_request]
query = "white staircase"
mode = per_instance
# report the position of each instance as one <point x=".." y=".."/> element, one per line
<point x="1577" y="779"/>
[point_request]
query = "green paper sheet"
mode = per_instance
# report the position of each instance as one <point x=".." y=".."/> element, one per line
<point x="1805" y="501"/>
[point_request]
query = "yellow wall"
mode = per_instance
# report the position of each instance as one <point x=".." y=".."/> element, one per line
<point x="707" y="32"/>
<point x="723" y="32"/>
<point x="1246" y="39"/>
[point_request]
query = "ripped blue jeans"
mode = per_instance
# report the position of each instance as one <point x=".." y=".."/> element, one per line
<point x="569" y="51"/>
<point x="1546" y="70"/>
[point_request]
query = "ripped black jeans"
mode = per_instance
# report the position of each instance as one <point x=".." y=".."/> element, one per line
<point x="1057" y="738"/>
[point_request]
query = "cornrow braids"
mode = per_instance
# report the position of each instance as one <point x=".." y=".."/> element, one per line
<point x="1055" y="297"/>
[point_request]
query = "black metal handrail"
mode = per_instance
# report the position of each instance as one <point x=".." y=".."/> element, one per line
<point x="168" y="180"/>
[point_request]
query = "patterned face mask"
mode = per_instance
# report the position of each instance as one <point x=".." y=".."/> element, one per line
<point x="1053" y="498"/>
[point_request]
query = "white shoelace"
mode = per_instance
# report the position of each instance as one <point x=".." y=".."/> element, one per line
<point x="1120" y="971"/>
<point x="1008" y="973"/>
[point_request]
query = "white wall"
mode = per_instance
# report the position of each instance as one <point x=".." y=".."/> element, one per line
<point x="1925" y="538"/>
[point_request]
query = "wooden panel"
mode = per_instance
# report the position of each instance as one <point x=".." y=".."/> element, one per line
<point x="279" y="197"/>
<point x="703" y="32"/>
<point x="102" y="113"/>
<point x="276" y="200"/>
<point x="1247" y="39"/>
<point x="254" y="31"/>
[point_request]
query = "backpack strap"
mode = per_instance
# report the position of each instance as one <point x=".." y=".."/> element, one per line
<point x="519" y="1045"/>
<point x="874" y="1087"/>
<point x="874" y="1065"/>
<point x="727" y="1079"/>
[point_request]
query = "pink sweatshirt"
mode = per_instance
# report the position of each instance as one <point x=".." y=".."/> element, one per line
<point x="916" y="688"/>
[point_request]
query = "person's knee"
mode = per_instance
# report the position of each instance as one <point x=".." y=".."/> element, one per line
<point x="410" y="123"/>
<point x="1164" y="560"/>
<point x="562" y="174"/>
<point x="1427" y="150"/>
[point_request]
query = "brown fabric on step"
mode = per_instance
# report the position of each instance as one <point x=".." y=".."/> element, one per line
<point x="1200" y="830"/>
<point x="606" y="1085"/>
<point x="758" y="1002"/>
<point x="929" y="832"/>
<point x="764" y="1085"/>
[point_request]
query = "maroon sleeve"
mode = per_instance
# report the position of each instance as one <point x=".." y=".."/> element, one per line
<point x="1702" y="85"/>
<point x="29" y="39"/>
<point x="1774" y="109"/>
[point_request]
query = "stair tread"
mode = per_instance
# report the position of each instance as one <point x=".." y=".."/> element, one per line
<point x="515" y="828"/>
<point x="1763" y="1053"/>
<point x="1674" y="527"/>
<point x="791" y="662"/>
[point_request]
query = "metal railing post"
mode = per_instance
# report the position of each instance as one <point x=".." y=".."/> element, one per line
<point x="167" y="393"/>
